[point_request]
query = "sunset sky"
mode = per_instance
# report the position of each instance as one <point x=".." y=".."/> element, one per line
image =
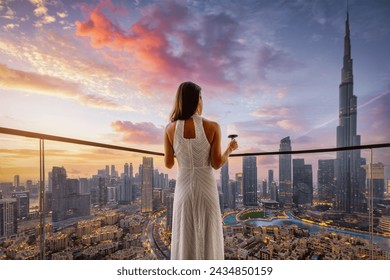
<point x="107" y="71"/>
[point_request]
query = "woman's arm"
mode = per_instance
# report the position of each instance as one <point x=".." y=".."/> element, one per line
<point x="218" y="159"/>
<point x="169" y="158"/>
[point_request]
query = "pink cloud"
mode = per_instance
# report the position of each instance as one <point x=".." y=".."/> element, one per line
<point x="142" y="133"/>
<point x="272" y="112"/>
<point x="167" y="44"/>
<point x="48" y="85"/>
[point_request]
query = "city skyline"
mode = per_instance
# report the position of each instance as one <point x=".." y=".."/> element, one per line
<point x="279" y="59"/>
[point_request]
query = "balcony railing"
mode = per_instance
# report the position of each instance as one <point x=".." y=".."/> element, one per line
<point x="363" y="223"/>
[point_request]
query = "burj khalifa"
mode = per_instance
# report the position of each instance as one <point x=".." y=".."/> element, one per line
<point x="350" y="176"/>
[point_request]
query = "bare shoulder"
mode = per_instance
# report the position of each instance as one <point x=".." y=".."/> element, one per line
<point x="211" y="129"/>
<point x="170" y="127"/>
<point x="210" y="125"/>
<point x="170" y="130"/>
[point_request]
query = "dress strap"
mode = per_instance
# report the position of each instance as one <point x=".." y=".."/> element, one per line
<point x="179" y="129"/>
<point x="198" y="123"/>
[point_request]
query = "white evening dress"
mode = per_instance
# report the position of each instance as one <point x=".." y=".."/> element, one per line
<point x="197" y="223"/>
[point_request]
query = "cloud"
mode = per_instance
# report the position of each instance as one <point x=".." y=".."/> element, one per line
<point x="272" y="112"/>
<point x="272" y="59"/>
<point x="289" y="125"/>
<point x="10" y="26"/>
<point x="141" y="133"/>
<point x="62" y="14"/>
<point x="169" y="43"/>
<point x="42" y="12"/>
<point x="283" y="117"/>
<point x="48" y="85"/>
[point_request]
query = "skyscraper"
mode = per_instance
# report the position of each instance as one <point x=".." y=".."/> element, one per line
<point x="264" y="189"/>
<point x="232" y="190"/>
<point x="22" y="203"/>
<point x="126" y="184"/>
<point x="126" y="169"/>
<point x="274" y="192"/>
<point x="350" y="176"/>
<point x="325" y="177"/>
<point x="147" y="185"/>
<point x="16" y="181"/>
<point x="302" y="182"/>
<point x="67" y="202"/>
<point x="249" y="179"/>
<point x="58" y="194"/>
<point x="225" y="184"/>
<point x="239" y="183"/>
<point x="8" y="217"/>
<point x="285" y="188"/>
<point x="131" y="171"/>
<point x="376" y="180"/>
<point x="270" y="180"/>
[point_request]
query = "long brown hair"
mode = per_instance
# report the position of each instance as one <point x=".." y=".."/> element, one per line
<point x="186" y="102"/>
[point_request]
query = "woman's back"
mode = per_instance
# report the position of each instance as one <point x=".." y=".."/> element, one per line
<point x="192" y="148"/>
<point x="197" y="223"/>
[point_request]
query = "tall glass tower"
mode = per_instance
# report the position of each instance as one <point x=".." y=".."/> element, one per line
<point x="225" y="184"/>
<point x="249" y="179"/>
<point x="147" y="185"/>
<point x="285" y="187"/>
<point x="350" y="176"/>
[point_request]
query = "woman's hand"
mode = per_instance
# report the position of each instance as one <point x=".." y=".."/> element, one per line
<point x="233" y="145"/>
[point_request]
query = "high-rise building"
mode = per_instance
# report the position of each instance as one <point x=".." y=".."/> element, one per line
<point x="274" y="193"/>
<point x="376" y="179"/>
<point x="302" y="182"/>
<point x="231" y="198"/>
<point x="285" y="188"/>
<point x="126" y="169"/>
<point x="6" y="189"/>
<point x="50" y="181"/>
<point x="225" y="184"/>
<point x="84" y="186"/>
<point x="147" y="185"/>
<point x="239" y="183"/>
<point x="270" y="180"/>
<point x="16" y="181"/>
<point x="126" y="190"/>
<point x="29" y="185"/>
<point x="388" y="187"/>
<point x="350" y="176"/>
<point x="22" y="203"/>
<point x="107" y="171"/>
<point x="325" y="178"/>
<point x="249" y="180"/>
<point x="102" y="196"/>
<point x="58" y="194"/>
<point x="264" y="189"/>
<point x="170" y="197"/>
<point x="67" y="202"/>
<point x="8" y="217"/>
<point x="114" y="173"/>
<point x="131" y="171"/>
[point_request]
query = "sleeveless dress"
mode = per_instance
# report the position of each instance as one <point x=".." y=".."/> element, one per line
<point x="197" y="224"/>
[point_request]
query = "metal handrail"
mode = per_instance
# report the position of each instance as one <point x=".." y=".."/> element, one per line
<point x="30" y="134"/>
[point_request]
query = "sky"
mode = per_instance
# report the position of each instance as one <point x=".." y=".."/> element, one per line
<point x="108" y="70"/>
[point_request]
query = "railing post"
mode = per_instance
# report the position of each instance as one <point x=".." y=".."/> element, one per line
<point x="42" y="197"/>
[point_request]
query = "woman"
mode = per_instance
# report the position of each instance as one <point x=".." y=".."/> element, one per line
<point x="196" y="143"/>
